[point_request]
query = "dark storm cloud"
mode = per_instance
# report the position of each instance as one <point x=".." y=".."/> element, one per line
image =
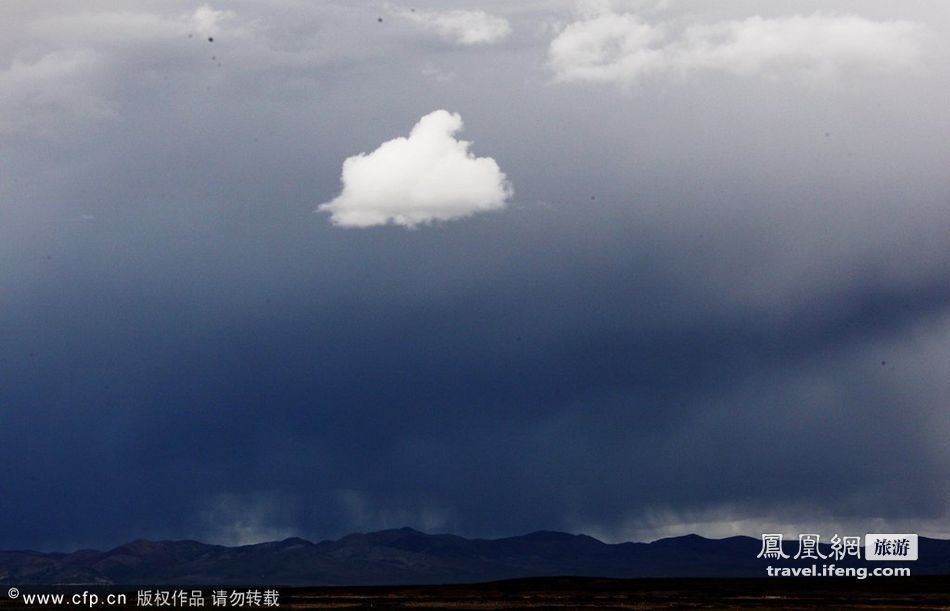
<point x="746" y="323"/>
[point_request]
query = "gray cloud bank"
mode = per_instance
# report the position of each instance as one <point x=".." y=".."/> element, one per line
<point x="623" y="48"/>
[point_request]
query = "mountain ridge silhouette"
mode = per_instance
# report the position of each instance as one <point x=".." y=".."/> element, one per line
<point x="406" y="556"/>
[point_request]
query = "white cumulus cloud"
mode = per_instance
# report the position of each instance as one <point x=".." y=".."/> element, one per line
<point x="429" y="176"/>
<point x="623" y="48"/>
<point x="461" y="26"/>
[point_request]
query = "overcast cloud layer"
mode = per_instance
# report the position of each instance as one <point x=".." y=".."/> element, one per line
<point x="712" y="294"/>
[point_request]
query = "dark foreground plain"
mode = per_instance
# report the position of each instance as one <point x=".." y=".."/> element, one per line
<point x="595" y="593"/>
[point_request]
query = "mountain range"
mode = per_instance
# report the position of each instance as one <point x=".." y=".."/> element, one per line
<point x="407" y="556"/>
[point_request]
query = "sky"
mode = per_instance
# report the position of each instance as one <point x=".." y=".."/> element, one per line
<point x="634" y="269"/>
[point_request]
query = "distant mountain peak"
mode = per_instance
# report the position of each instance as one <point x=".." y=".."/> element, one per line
<point x="551" y="535"/>
<point x="295" y="541"/>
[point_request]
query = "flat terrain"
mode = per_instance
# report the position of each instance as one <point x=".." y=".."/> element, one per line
<point x="923" y="593"/>
<point x="588" y="593"/>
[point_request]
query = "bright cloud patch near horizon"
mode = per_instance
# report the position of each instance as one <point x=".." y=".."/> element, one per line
<point x="623" y="48"/>
<point x="429" y="176"/>
<point x="206" y="19"/>
<point x="460" y="26"/>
